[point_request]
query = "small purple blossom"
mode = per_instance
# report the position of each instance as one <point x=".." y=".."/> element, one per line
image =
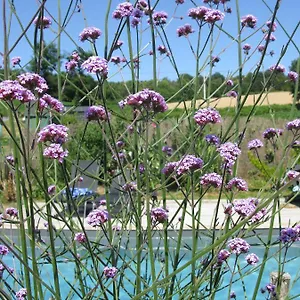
<point x="118" y="44"/>
<point x="198" y="13"/>
<point x="21" y="294"/>
<point x="271" y="26"/>
<point x="162" y="49"/>
<point x="229" y="82"/>
<point x="184" y="30"/>
<point x="229" y="152"/>
<point x="232" y="295"/>
<point x="90" y="33"/>
<point x="238" y="246"/>
<point x="115" y="59"/>
<point x="51" y="189"/>
<point x="97" y="217"/>
<point x="279" y="68"/>
<point x="110" y="272"/>
<point x="120" y="144"/>
<point x="45" y="22"/>
<point x="168" y="150"/>
<point x="160" y="18"/>
<point x="12" y="212"/>
<point x="290" y="234"/>
<point x="159" y="215"/>
<point x="3" y="250"/>
<point x="130" y="186"/>
<point x="222" y="256"/>
<point x="16" y="60"/>
<point x="179" y="1"/>
<point x="252" y="259"/>
<point x="232" y="94"/>
<point x="293" y="76"/>
<point x="55" y="151"/>
<point x="10" y="159"/>
<point x="97" y="113"/>
<point x="293" y="125"/>
<point x="239" y="183"/>
<point x="255" y="144"/>
<point x="33" y="82"/>
<point x="271" y="38"/>
<point x="261" y="48"/>
<point x="71" y="65"/>
<point x="228" y="209"/>
<point x="148" y="99"/>
<point x="46" y="101"/>
<point x="80" y="237"/>
<point x="169" y="168"/>
<point x="96" y="65"/>
<point x="211" y="179"/>
<point x="213" y="15"/>
<point x="271" y="133"/>
<point x="124" y="9"/>
<point x="212" y="139"/>
<point x="11" y="90"/>
<point x="207" y="115"/>
<point x="188" y="163"/>
<point x="53" y="133"/>
<point x="249" y="21"/>
<point x="247" y="48"/>
<point x="292" y="174"/>
<point x="141" y="169"/>
<point x="247" y="208"/>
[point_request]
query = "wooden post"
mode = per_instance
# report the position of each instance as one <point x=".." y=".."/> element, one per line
<point x="285" y="279"/>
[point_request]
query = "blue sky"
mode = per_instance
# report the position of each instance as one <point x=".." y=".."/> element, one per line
<point x="93" y="14"/>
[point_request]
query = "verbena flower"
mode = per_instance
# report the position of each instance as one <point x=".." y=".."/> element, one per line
<point x="96" y="65"/>
<point x="130" y="186"/>
<point x="293" y="125"/>
<point x="53" y="133"/>
<point x="271" y="26"/>
<point x="255" y="144"/>
<point x="232" y="94"/>
<point x="51" y="189"/>
<point x="238" y="246"/>
<point x="184" y="30"/>
<point x="188" y="163"/>
<point x="159" y="215"/>
<point x="229" y="82"/>
<point x="11" y="90"/>
<point x="198" y="13"/>
<point x="97" y="217"/>
<point x="124" y="9"/>
<point x="12" y="212"/>
<point x="239" y="183"/>
<point x="293" y="76"/>
<point x="228" y="209"/>
<point x="271" y="38"/>
<point x="213" y="15"/>
<point x="10" y="159"/>
<point x="15" y="60"/>
<point x="247" y="207"/>
<point x="247" y="48"/>
<point x="162" y="49"/>
<point x="168" y="150"/>
<point x="212" y="139"/>
<point x="229" y="152"/>
<point x="21" y="294"/>
<point x="110" y="272"/>
<point x="252" y="259"/>
<point x="80" y="237"/>
<point x="271" y="133"/>
<point x="179" y="1"/>
<point x="118" y="44"/>
<point x="71" y="65"/>
<point x="249" y="21"/>
<point x="47" y="101"/>
<point x="90" y="33"/>
<point x="261" y="48"/>
<point x="292" y="174"/>
<point x="232" y="295"/>
<point x="222" y="256"/>
<point x="115" y="59"/>
<point x="211" y="179"/>
<point x="95" y="113"/>
<point x="44" y="22"/>
<point x="33" y="82"/>
<point x="169" y="168"/>
<point x="279" y="68"/>
<point x="147" y="99"/>
<point x="55" y="151"/>
<point x="159" y="18"/>
<point x="207" y="115"/>
<point x="290" y="234"/>
<point x="3" y="250"/>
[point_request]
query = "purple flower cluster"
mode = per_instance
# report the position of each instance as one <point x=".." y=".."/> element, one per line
<point x="73" y="62"/>
<point x="159" y="18"/>
<point x="118" y="44"/>
<point x="11" y="90"/>
<point x="239" y="183"/>
<point x="270" y="38"/>
<point x="255" y="144"/>
<point x="15" y="60"/>
<point x="293" y="125"/>
<point x="271" y="26"/>
<point x="162" y="49"/>
<point x="47" y="101"/>
<point x="179" y="1"/>
<point x="211" y="179"/>
<point x="148" y="99"/>
<point x="55" y="151"/>
<point x="247" y="207"/>
<point x="212" y="139"/>
<point x="96" y="65"/>
<point x="238" y="246"/>
<point x="10" y="159"/>
<point x="33" y="82"/>
<point x="279" y="68"/>
<point x="21" y="294"/>
<point x="80" y="237"/>
<point x="293" y="76"/>
<point x="97" y="217"/>
<point x="270" y="288"/>
<point x="159" y="215"/>
<point x="292" y="174"/>
<point x="247" y="48"/>
<point x="222" y="256"/>
<point x="188" y="163"/>
<point x="252" y="259"/>
<point x="232" y="94"/>
<point x="168" y="150"/>
<point x="3" y="250"/>
<point x="97" y="113"/>
<point x="203" y="13"/>
<point x="124" y="9"/>
<point x="51" y="189"/>
<point x="229" y="152"/>
<point x="130" y="186"/>
<point x="249" y="21"/>
<point x="169" y="168"/>
<point x="90" y="33"/>
<point x="184" y="30"/>
<point x="261" y="48"/>
<point x="271" y="133"/>
<point x="53" y="133"/>
<point x="290" y="234"/>
<point x="207" y="115"/>
<point x="45" y="22"/>
<point x="229" y="82"/>
<point x="115" y="59"/>
<point x="110" y="272"/>
<point x="12" y="212"/>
